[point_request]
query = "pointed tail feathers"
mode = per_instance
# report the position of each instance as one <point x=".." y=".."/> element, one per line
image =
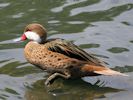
<point x="101" y="70"/>
<point x="109" y="72"/>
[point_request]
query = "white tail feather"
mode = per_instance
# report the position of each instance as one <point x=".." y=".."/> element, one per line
<point x="109" y="72"/>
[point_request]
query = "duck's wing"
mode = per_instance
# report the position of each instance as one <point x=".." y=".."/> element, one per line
<point x="69" y="49"/>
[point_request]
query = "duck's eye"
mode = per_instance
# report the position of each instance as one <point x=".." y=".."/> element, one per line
<point x="28" y="30"/>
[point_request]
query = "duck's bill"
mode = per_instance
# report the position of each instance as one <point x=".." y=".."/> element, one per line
<point x="17" y="39"/>
<point x="20" y="39"/>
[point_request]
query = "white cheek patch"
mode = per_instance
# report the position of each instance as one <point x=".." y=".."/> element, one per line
<point x="32" y="36"/>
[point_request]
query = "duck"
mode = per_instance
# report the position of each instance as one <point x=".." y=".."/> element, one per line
<point x="61" y="58"/>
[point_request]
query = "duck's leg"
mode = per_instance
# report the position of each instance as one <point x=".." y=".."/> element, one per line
<point x="52" y="77"/>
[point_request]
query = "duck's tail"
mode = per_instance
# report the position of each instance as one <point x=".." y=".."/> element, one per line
<point x="101" y="70"/>
<point x="109" y="72"/>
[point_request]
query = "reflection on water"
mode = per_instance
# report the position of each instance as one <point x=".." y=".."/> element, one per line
<point x="83" y="46"/>
<point x="61" y="88"/>
<point x="118" y="50"/>
<point x="131" y="41"/>
<point x="101" y="27"/>
<point x="17" y="69"/>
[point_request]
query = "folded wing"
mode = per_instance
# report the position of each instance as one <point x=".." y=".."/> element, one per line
<point x="69" y="49"/>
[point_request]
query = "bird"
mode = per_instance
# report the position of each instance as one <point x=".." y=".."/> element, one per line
<point x="59" y="57"/>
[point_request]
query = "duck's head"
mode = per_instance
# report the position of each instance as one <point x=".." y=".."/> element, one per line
<point x="34" y="32"/>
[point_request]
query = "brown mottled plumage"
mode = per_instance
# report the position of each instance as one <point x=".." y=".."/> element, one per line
<point x="60" y="57"/>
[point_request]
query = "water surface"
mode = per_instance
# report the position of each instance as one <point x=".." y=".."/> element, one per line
<point x="102" y="27"/>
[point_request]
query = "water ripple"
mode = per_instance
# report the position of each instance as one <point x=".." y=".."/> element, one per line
<point x="3" y="5"/>
<point x="67" y="3"/>
<point x="103" y="5"/>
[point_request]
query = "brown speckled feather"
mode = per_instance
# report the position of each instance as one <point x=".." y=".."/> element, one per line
<point x="71" y="50"/>
<point x="40" y="56"/>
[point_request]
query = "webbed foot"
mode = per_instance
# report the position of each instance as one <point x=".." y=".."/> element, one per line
<point x="52" y="77"/>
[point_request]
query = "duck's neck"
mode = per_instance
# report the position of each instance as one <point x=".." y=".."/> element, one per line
<point x="42" y="40"/>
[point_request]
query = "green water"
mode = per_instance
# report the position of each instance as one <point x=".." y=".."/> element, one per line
<point x="103" y="27"/>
